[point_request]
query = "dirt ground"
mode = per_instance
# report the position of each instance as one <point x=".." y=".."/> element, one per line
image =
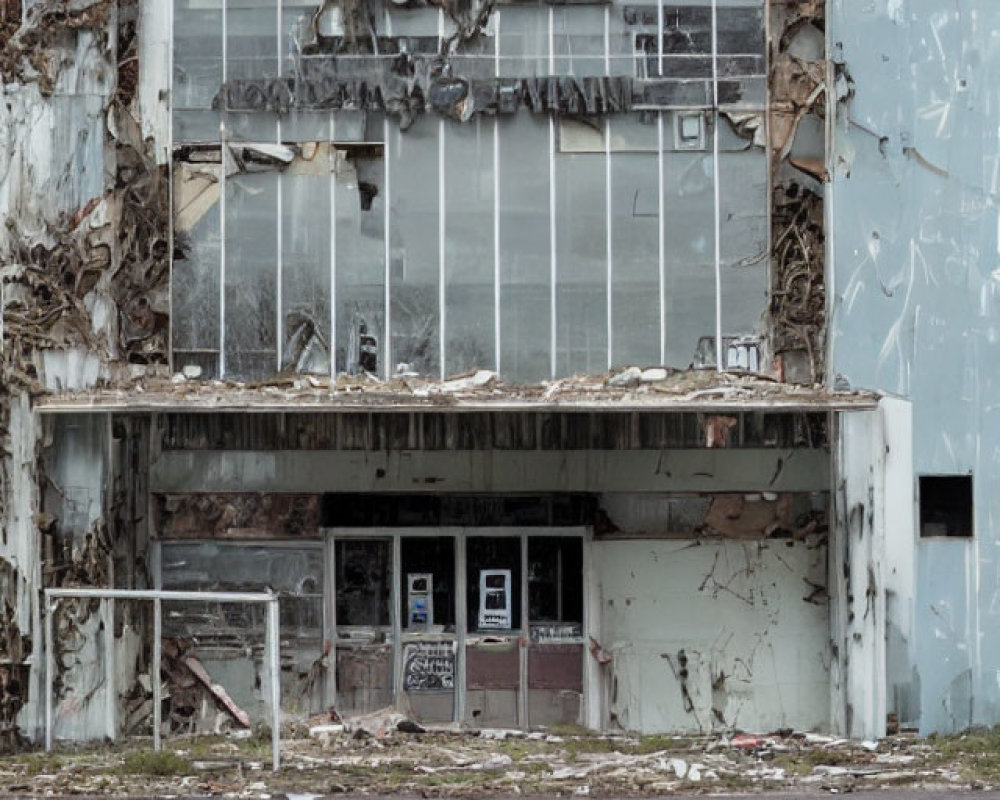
<point x="375" y="758"/>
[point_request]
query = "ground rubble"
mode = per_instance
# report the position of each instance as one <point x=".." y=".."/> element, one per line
<point x="387" y="753"/>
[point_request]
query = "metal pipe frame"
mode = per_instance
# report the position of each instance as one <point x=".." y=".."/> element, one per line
<point x="272" y="653"/>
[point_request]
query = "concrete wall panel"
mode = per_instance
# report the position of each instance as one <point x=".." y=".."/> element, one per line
<point x="715" y="634"/>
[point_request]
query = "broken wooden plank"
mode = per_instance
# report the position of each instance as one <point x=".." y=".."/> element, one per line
<point x="218" y="691"/>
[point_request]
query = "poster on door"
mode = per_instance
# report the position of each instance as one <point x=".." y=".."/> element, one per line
<point x="428" y="666"/>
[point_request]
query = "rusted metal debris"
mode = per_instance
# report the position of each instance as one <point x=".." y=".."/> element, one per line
<point x="798" y="294"/>
<point x="798" y="86"/>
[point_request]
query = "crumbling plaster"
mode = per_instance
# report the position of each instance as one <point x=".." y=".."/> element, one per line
<point x="84" y="252"/>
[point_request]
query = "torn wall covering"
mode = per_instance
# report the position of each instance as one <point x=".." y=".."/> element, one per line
<point x="915" y="309"/>
<point x="84" y="290"/>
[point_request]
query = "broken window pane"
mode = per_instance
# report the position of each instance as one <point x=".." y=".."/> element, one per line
<point x="305" y="261"/>
<point x="635" y="230"/>
<point x="428" y="592"/>
<point x="469" y="261"/>
<point x="295" y="573"/>
<point x="525" y="263"/>
<point x="474" y="58"/>
<point x="229" y="637"/>
<point x="689" y="242"/>
<point x="197" y="68"/>
<point x="252" y="52"/>
<point x="581" y="263"/>
<point x="744" y="237"/>
<point x="493" y="588"/>
<point x="195" y="283"/>
<point x="363" y="581"/>
<point x="296" y="30"/>
<point x="251" y="274"/>
<point x="296" y="38"/>
<point x="555" y="583"/>
<point x="415" y="270"/>
<point x="360" y="255"/>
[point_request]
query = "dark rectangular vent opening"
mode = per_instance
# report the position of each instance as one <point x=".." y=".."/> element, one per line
<point x="946" y="505"/>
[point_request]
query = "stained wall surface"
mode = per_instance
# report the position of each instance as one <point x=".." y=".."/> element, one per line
<point x="715" y="634"/>
<point x="915" y="291"/>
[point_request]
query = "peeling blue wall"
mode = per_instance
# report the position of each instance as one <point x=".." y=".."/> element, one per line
<point x="915" y="288"/>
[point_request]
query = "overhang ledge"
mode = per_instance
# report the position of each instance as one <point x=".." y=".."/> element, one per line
<point x="695" y="390"/>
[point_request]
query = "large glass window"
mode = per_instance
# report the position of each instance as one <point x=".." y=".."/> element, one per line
<point x="540" y="244"/>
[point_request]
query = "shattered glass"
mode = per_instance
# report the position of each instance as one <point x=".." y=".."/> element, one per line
<point x="251" y="238"/>
<point x="305" y="264"/>
<point x="360" y="257"/>
<point x="195" y="288"/>
<point x="414" y="231"/>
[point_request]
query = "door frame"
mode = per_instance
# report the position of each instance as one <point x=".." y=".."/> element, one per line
<point x="591" y="712"/>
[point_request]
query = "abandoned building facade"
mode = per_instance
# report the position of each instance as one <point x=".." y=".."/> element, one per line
<point x="601" y="362"/>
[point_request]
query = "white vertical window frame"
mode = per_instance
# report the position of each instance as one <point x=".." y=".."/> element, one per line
<point x="223" y="160"/>
<point x="553" y="260"/>
<point x="496" y="200"/>
<point x="279" y="335"/>
<point x="387" y="332"/>
<point x="661" y="219"/>
<point x="661" y="252"/>
<point x="332" y="163"/>
<point x="387" y="233"/>
<point x="442" y="299"/>
<point x="170" y="195"/>
<point x="608" y="249"/>
<point x="716" y="186"/>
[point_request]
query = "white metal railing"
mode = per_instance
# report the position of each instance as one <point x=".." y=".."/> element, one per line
<point x="108" y="596"/>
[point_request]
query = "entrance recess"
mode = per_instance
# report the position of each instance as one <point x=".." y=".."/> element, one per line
<point x="484" y="626"/>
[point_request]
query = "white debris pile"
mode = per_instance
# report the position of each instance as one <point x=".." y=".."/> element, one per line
<point x="389" y="752"/>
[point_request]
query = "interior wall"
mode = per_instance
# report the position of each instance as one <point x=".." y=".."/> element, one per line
<point x="714" y="634"/>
